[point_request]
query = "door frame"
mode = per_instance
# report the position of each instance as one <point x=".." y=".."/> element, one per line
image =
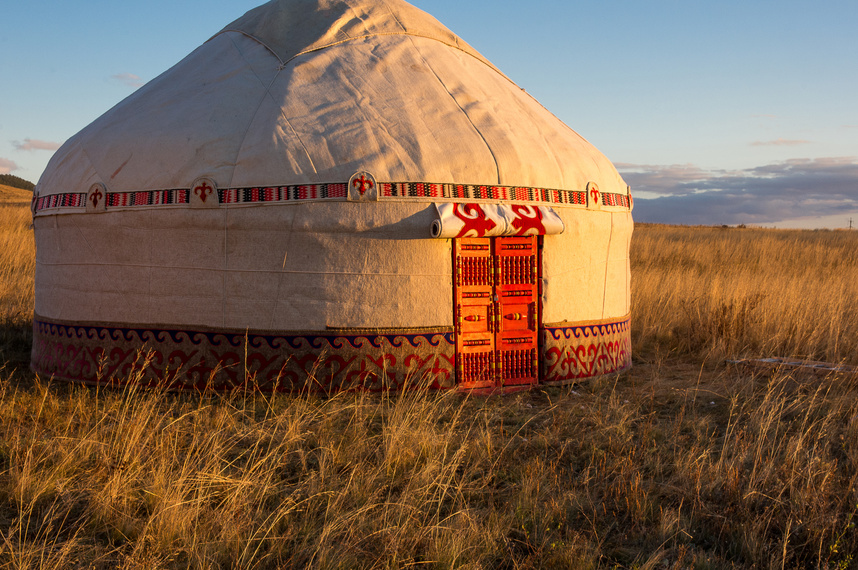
<point x="466" y="320"/>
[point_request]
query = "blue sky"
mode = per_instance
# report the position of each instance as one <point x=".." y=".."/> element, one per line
<point x="715" y="113"/>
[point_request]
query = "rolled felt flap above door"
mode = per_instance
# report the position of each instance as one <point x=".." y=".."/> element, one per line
<point x="457" y="220"/>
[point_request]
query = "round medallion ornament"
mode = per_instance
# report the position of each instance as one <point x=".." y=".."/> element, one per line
<point x="96" y="198"/>
<point x="363" y="187"/>
<point x="203" y="193"/>
<point x="594" y="196"/>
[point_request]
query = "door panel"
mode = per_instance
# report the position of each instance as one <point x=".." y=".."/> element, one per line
<point x="516" y="289"/>
<point x="496" y="311"/>
<point x="475" y="339"/>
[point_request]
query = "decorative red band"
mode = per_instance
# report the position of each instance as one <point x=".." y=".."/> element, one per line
<point x="477" y="192"/>
<point x="334" y="192"/>
<point x="153" y="198"/>
<point x="289" y="361"/>
<point x="71" y="200"/>
<point x="621" y="200"/>
<point x="222" y="360"/>
<point x="583" y="351"/>
<point x="283" y="193"/>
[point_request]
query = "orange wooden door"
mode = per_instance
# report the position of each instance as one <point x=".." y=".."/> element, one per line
<point x="517" y="310"/>
<point x="474" y="269"/>
<point x="496" y="312"/>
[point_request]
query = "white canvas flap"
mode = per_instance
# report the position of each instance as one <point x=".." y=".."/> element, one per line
<point x="491" y="220"/>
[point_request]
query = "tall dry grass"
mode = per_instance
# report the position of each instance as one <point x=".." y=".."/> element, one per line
<point x="614" y="474"/>
<point x="728" y="292"/>
<point x="678" y="464"/>
<point x="17" y="269"/>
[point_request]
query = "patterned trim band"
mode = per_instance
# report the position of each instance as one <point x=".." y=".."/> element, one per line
<point x="334" y="192"/>
<point x="222" y="360"/>
<point x="615" y="200"/>
<point x="189" y="359"/>
<point x="471" y="192"/>
<point x="574" y="352"/>
<point x="153" y="198"/>
<point x="60" y="201"/>
<point x="283" y="193"/>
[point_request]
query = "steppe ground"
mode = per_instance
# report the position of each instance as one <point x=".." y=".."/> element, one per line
<point x="686" y="461"/>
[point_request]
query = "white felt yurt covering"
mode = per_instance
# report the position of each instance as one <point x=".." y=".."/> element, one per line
<point x="266" y="208"/>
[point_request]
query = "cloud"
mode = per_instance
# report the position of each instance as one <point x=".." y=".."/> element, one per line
<point x="686" y="194"/>
<point x="35" y="144"/>
<point x="7" y="166"/>
<point x="673" y="179"/>
<point x="128" y="79"/>
<point x="780" y="142"/>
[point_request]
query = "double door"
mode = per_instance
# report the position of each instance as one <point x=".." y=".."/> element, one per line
<point x="496" y="312"/>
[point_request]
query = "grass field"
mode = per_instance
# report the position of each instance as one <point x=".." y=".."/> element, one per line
<point x="684" y="462"/>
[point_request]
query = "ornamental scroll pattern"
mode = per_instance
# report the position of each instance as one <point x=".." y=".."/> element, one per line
<point x="575" y="352"/>
<point x="458" y="220"/>
<point x="180" y="359"/>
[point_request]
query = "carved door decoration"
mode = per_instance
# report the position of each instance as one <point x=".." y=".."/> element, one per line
<point x="496" y="311"/>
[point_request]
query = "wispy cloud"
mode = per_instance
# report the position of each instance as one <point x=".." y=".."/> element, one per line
<point x="765" y="194"/>
<point x="671" y="179"/>
<point x="128" y="79"/>
<point x="35" y="144"/>
<point x="780" y="142"/>
<point x="7" y="166"/>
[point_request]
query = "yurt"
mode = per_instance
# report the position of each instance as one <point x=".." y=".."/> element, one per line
<point x="327" y="195"/>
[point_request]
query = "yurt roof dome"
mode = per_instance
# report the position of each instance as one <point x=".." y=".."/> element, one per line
<point x="312" y="92"/>
<point x="293" y="28"/>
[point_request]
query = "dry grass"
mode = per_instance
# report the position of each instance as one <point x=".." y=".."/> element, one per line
<point x="17" y="269"/>
<point x="9" y="195"/>
<point x="730" y="292"/>
<point x="681" y="463"/>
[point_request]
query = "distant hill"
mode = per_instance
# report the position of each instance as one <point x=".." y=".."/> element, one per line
<point x="12" y="195"/>
<point x="16" y="182"/>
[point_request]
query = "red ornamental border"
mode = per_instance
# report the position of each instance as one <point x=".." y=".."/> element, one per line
<point x="334" y="192"/>
<point x="68" y="200"/>
<point x="146" y="198"/>
<point x="222" y="360"/>
<point x="283" y="193"/>
<point x="615" y="200"/>
<point x="574" y="352"/>
<point x="477" y="192"/>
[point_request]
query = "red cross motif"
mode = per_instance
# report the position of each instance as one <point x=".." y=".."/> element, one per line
<point x="595" y="193"/>
<point x="203" y="190"/>
<point x="95" y="197"/>
<point x="362" y="184"/>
